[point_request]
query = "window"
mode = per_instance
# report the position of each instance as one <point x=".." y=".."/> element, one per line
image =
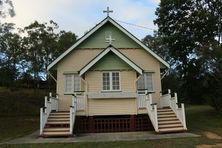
<point x="72" y="83"/>
<point x="111" y="81"/>
<point x="145" y="82"/>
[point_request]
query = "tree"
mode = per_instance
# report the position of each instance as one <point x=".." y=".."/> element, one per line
<point x="65" y="40"/>
<point x="40" y="44"/>
<point x="43" y="45"/>
<point x="156" y="44"/>
<point x="192" y="32"/>
<point x="10" y="51"/>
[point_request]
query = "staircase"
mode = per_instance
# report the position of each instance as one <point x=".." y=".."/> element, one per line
<point x="170" y="117"/>
<point x="168" y="121"/>
<point x="54" y="123"/>
<point x="57" y="125"/>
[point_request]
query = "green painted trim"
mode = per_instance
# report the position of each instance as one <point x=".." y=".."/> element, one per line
<point x="97" y="39"/>
<point x="111" y="62"/>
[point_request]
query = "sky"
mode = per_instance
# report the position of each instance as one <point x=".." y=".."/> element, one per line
<point x="80" y="16"/>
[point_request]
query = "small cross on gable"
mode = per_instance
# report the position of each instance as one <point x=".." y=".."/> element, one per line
<point x="107" y="11"/>
<point x="108" y="37"/>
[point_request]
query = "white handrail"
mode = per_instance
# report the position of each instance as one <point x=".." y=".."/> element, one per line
<point x="141" y="101"/>
<point x="81" y="102"/>
<point x="152" y="112"/>
<point x="165" y="99"/>
<point x="49" y="105"/>
<point x="180" y="112"/>
<point x="72" y="113"/>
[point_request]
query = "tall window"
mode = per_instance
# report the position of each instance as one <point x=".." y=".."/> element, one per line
<point x="145" y="82"/>
<point x="72" y="83"/>
<point x="111" y="81"/>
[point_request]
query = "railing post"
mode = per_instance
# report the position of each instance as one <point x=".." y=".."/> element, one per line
<point x="57" y="102"/>
<point x="46" y="101"/>
<point x="41" y="121"/>
<point x="176" y="100"/>
<point x="183" y="113"/>
<point x="50" y="95"/>
<point x="150" y="98"/>
<point x="155" y="116"/>
<point x="70" y="121"/>
<point x="169" y="91"/>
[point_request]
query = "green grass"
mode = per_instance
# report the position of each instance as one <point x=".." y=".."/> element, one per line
<point x="14" y="127"/>
<point x="19" y="112"/>
<point x="15" y="123"/>
<point x="203" y="118"/>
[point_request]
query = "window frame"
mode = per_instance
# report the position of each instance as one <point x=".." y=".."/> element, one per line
<point x="72" y="83"/>
<point x="143" y="91"/>
<point x="111" y="81"/>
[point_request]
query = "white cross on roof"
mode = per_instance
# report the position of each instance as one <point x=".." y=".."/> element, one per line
<point x="107" y="11"/>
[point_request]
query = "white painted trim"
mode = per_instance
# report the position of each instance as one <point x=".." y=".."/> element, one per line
<point x="111" y="82"/>
<point x="95" y="29"/>
<point x="73" y="82"/>
<point x="140" y="43"/>
<point x="103" y="53"/>
<point x="120" y="55"/>
<point x="77" y="43"/>
<point x="89" y="65"/>
<point x="112" y="95"/>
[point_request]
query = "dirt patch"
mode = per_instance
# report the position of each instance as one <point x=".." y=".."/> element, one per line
<point x="204" y="146"/>
<point x="218" y="145"/>
<point x="211" y="135"/>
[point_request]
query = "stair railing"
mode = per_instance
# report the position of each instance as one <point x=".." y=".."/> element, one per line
<point x="152" y="111"/>
<point x="51" y="103"/>
<point x="165" y="98"/>
<point x="180" y="111"/>
<point x="72" y="114"/>
<point x="54" y="101"/>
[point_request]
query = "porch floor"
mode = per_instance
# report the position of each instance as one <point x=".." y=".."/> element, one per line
<point x="100" y="137"/>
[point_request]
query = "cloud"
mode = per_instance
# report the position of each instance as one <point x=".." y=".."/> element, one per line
<point x="80" y="16"/>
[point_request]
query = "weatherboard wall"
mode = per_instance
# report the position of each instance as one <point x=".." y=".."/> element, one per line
<point x="80" y="57"/>
<point x="97" y="39"/>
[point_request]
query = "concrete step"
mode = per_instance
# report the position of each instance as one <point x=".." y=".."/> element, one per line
<point x="169" y="122"/>
<point x="170" y="130"/>
<point x="58" y="116"/>
<point x="167" y="119"/>
<point x="57" y="123"/>
<point x="57" y="119"/>
<point x="59" y="113"/>
<point x="56" y="134"/>
<point x="167" y="116"/>
<point x="165" y="113"/>
<point x="170" y="125"/>
<point x="164" y="110"/>
<point x="56" y="129"/>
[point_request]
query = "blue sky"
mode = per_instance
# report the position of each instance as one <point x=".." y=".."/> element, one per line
<point x="79" y="16"/>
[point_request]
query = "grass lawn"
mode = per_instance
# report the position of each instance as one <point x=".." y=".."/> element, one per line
<point x="200" y="119"/>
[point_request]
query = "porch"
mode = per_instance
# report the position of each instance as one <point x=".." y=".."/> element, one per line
<point x="169" y="116"/>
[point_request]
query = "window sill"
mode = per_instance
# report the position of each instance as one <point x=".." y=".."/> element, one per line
<point x="112" y="95"/>
<point x="143" y="92"/>
<point x="110" y="91"/>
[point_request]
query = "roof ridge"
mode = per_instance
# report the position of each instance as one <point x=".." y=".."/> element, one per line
<point x="95" y="28"/>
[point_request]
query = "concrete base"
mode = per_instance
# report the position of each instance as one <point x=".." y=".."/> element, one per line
<point x="99" y="137"/>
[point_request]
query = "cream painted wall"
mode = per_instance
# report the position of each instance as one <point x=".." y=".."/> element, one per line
<point x="148" y="63"/>
<point x="72" y="63"/>
<point x="80" y="57"/>
<point x="112" y="106"/>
